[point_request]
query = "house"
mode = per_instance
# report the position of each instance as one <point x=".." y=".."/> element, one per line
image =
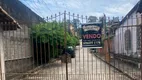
<point x="4" y="19"/>
<point x="107" y="36"/>
<point x="15" y="22"/>
<point x="127" y="36"/>
<point x="72" y="31"/>
<point x="140" y="7"/>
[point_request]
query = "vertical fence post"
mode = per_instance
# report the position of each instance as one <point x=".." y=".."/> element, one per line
<point x="108" y="44"/>
<point x="2" y="62"/>
<point x="141" y="46"/>
<point x="70" y="31"/>
<point x="65" y="42"/>
<point x="86" y="19"/>
<point x="108" y="52"/>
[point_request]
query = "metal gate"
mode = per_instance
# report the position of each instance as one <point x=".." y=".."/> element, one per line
<point x="52" y="49"/>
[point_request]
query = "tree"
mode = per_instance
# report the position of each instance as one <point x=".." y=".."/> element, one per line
<point x="92" y="19"/>
<point x="52" y="33"/>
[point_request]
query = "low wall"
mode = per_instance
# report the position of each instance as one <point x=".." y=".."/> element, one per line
<point x="15" y="67"/>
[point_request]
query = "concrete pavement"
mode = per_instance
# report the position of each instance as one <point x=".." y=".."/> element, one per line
<point x="85" y="66"/>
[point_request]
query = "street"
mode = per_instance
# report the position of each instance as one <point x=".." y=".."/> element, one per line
<point x="85" y="66"/>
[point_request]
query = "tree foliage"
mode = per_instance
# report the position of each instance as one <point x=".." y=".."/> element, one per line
<point x="50" y="32"/>
<point x="54" y="34"/>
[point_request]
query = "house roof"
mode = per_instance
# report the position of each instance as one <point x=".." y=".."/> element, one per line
<point x="136" y="8"/>
<point x="91" y="23"/>
<point x="140" y="7"/>
<point x="6" y="21"/>
<point x="20" y="12"/>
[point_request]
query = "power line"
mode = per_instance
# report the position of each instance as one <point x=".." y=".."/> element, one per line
<point x="40" y="11"/>
<point x="32" y="7"/>
<point x="46" y="6"/>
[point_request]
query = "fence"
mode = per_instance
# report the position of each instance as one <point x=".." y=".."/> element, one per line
<point x="33" y="50"/>
<point x="122" y="47"/>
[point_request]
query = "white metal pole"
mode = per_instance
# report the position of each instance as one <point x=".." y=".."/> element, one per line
<point x="2" y="61"/>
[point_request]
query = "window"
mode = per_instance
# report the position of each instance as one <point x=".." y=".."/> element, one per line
<point x="138" y="38"/>
<point x="128" y="45"/>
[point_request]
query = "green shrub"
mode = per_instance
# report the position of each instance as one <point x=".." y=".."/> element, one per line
<point x="54" y="34"/>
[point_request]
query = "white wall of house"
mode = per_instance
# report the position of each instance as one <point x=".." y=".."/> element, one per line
<point x="119" y="39"/>
<point x="139" y="17"/>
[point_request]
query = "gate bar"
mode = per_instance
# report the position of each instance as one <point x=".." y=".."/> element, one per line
<point x="141" y="47"/>
<point x="65" y="43"/>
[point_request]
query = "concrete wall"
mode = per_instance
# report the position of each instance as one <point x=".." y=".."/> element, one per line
<point x="17" y="52"/>
<point x="17" y="44"/>
<point x="18" y="57"/>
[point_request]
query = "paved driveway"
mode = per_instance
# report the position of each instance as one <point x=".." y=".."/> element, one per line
<point x="84" y="67"/>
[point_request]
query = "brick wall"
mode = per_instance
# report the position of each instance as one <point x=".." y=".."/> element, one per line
<point x="105" y="50"/>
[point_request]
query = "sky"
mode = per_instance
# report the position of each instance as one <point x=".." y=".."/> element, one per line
<point x="111" y="8"/>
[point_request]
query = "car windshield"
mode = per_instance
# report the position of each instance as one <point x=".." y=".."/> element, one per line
<point x="70" y="47"/>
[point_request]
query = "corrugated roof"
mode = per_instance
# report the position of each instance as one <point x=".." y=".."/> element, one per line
<point x="135" y="8"/>
<point x="140" y="7"/>
<point x="20" y="12"/>
<point x="6" y="21"/>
